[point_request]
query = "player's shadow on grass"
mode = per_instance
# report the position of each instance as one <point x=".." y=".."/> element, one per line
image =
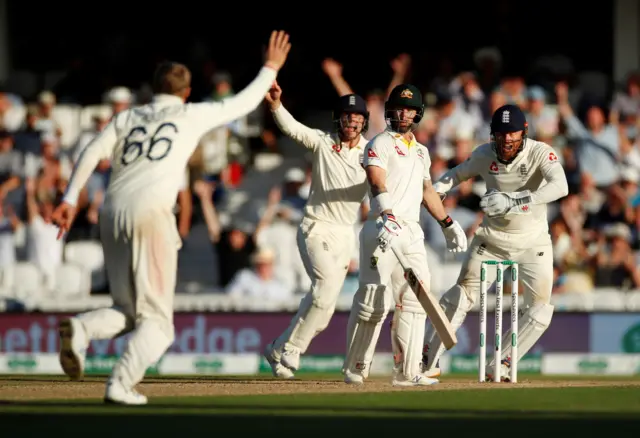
<point x="172" y="425"/>
<point x="279" y="410"/>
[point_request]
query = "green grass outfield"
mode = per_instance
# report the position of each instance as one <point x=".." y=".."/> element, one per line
<point x="585" y="404"/>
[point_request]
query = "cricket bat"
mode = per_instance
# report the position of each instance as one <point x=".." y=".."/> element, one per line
<point x="431" y="306"/>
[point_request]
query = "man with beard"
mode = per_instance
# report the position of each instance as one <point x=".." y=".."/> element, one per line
<point x="522" y="177"/>
<point x="398" y="172"/>
<point x="325" y="236"/>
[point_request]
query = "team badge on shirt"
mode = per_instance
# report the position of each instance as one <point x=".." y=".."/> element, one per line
<point x="494" y="169"/>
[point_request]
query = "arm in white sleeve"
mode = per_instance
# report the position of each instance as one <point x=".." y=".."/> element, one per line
<point x="292" y="128"/>
<point x="216" y="114"/>
<point x="462" y="172"/>
<point x="100" y="148"/>
<point x="556" y="187"/>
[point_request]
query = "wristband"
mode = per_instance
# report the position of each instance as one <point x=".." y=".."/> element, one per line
<point x="384" y="201"/>
<point x="446" y="222"/>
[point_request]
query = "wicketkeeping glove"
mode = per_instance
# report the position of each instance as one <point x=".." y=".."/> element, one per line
<point x="496" y="204"/>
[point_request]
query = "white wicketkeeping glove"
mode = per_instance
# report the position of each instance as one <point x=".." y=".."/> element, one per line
<point x="390" y="228"/>
<point x="456" y="237"/>
<point x="496" y="204"/>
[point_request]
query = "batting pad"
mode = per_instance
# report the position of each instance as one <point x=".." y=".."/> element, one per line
<point x="367" y="315"/>
<point x="531" y="325"/>
<point x="407" y="336"/>
<point x="454" y="303"/>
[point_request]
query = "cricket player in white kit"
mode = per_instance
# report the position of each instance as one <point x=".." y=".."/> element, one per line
<point x="398" y="172"/>
<point x="149" y="147"/>
<point x="326" y="234"/>
<point x="522" y="177"/>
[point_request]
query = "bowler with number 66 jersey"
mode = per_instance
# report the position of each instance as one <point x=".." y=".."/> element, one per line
<point x="149" y="147"/>
<point x="522" y="177"/>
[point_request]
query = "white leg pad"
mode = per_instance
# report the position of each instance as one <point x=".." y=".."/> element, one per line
<point x="407" y="336"/>
<point x="532" y="323"/>
<point x="365" y="321"/>
<point x="455" y="305"/>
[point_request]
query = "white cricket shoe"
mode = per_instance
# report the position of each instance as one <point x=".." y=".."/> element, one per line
<point x="431" y="373"/>
<point x="291" y="358"/>
<point x="116" y="393"/>
<point x="273" y="357"/>
<point x="73" y="347"/>
<point x="419" y="380"/>
<point x="352" y="378"/>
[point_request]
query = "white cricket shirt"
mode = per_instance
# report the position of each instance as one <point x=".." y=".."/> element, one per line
<point x="535" y="168"/>
<point x="149" y="147"/>
<point x="407" y="165"/>
<point x="338" y="180"/>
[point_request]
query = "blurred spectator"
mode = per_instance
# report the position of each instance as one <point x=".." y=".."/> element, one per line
<point x="46" y="124"/>
<point x="9" y="223"/>
<point x="626" y="104"/>
<point x="44" y="249"/>
<point x="259" y="281"/>
<point x="614" y="263"/>
<point x="597" y="145"/>
<point x="27" y="139"/>
<point x="543" y="121"/>
<point x="11" y="115"/>
<point x="120" y="99"/>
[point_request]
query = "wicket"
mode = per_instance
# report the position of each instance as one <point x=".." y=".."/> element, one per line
<point x="482" y="359"/>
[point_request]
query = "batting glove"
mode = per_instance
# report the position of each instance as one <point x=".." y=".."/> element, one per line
<point x="390" y="228"/>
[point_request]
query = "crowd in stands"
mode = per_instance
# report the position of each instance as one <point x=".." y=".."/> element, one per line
<point x="591" y="122"/>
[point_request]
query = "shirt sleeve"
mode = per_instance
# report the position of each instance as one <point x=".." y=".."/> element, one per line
<point x="553" y="173"/>
<point x="308" y="137"/>
<point x="427" y="165"/>
<point x="376" y="153"/>
<point x="214" y="114"/>
<point x="101" y="147"/>
<point x="466" y="170"/>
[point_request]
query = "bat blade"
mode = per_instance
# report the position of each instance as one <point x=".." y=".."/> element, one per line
<point x="434" y="311"/>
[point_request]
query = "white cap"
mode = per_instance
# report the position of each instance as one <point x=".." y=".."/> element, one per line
<point x="120" y="95"/>
<point x="295" y="175"/>
<point x="263" y="255"/>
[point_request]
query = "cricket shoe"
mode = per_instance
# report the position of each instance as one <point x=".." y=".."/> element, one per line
<point x="291" y="358"/>
<point x="273" y="356"/>
<point x="117" y="394"/>
<point x="505" y="371"/>
<point x="431" y="373"/>
<point x="353" y="378"/>
<point x="419" y="380"/>
<point x="73" y="347"/>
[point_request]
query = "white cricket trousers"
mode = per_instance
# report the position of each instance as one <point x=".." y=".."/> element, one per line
<point x="326" y="250"/>
<point x="141" y="258"/>
<point x="382" y="283"/>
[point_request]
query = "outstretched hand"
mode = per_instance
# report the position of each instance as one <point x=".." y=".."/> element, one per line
<point x="278" y="50"/>
<point x="273" y="96"/>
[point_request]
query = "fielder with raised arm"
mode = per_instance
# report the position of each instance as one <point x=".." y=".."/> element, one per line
<point x="522" y="177"/>
<point x="398" y="172"/>
<point x="149" y="147"/>
<point x="326" y="234"/>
